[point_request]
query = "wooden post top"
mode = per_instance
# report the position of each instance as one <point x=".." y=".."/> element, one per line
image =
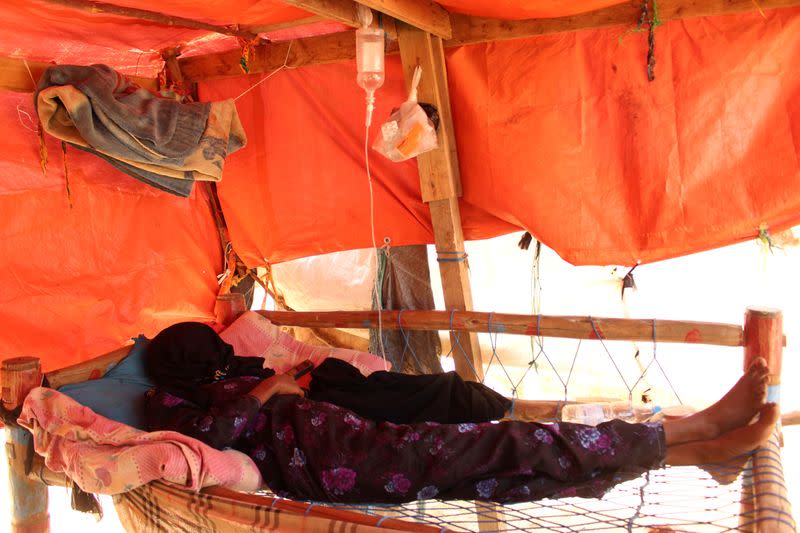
<point x="21" y="364"/>
<point x="765" y="311"/>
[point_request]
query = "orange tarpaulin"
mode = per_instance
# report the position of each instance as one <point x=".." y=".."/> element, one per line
<point x="81" y="280"/>
<point x="562" y="135"/>
<point x="558" y="134"/>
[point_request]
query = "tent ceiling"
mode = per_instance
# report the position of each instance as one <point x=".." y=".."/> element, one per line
<point x="48" y="30"/>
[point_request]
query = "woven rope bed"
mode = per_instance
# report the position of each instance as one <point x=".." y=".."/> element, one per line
<point x="753" y="497"/>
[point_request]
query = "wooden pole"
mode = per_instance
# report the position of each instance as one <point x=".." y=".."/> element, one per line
<point x="28" y="498"/>
<point x="87" y="370"/>
<point x="570" y="327"/>
<point x="20" y="75"/>
<point x="790" y="419"/>
<point x="440" y="183"/>
<point x="93" y="7"/>
<point x="228" y="307"/>
<point x="763" y="337"/>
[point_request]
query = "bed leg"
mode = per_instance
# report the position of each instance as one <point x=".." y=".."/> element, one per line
<point x="28" y="498"/>
<point x="763" y="337"/>
<point x="747" y="509"/>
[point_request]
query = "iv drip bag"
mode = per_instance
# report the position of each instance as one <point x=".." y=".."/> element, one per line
<point x="369" y="61"/>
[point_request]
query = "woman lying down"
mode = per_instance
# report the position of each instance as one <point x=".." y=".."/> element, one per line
<point x="319" y="451"/>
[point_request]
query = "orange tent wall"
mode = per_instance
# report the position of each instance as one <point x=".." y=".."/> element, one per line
<point x="562" y="135"/>
<point x="559" y="134"/>
<point x="124" y="259"/>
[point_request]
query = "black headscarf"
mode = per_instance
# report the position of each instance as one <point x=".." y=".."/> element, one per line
<point x="187" y="355"/>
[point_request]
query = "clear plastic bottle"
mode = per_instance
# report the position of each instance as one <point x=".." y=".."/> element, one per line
<point x="370" y="63"/>
<point x="590" y="414"/>
<point x="594" y="413"/>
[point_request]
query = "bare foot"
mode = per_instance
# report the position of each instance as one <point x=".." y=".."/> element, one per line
<point x="728" y="446"/>
<point x="726" y="472"/>
<point x="743" y="401"/>
<point x="737" y="408"/>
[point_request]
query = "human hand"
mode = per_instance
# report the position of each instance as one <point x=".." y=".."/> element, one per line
<point x="277" y="384"/>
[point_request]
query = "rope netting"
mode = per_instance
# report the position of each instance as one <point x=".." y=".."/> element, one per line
<point x="670" y="499"/>
<point x="631" y="373"/>
<point x="709" y="498"/>
<point x="713" y="498"/>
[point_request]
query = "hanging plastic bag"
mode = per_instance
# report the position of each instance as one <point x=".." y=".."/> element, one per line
<point x="409" y="131"/>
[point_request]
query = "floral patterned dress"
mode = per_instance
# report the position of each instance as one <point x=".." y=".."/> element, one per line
<point x="318" y="451"/>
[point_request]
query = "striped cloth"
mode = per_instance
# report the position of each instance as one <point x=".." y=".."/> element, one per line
<point x="158" y="507"/>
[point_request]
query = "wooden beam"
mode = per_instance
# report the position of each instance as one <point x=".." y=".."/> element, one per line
<point x="440" y="177"/>
<point x="343" y="11"/>
<point x="90" y="6"/>
<point x="440" y="184"/>
<point x="423" y="14"/>
<point x="39" y="473"/>
<point x="14" y="75"/>
<point x="92" y="369"/>
<point x="266" y="58"/>
<point x="267" y="28"/>
<point x="469" y="30"/>
<point x="568" y="327"/>
<point x="790" y="419"/>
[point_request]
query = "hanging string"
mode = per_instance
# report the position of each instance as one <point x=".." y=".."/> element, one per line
<point x="262" y="80"/>
<point x="675" y="392"/>
<point x="613" y="361"/>
<point x="226" y="268"/>
<point x="66" y="173"/>
<point x="536" y="305"/>
<point x="22" y="113"/>
<point x="454" y="335"/>
<point x="30" y="74"/>
<point x="43" y="158"/>
<point x="406" y="345"/>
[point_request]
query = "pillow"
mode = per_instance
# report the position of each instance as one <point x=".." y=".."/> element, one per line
<point x="253" y="335"/>
<point x="132" y="369"/>
<point x="120" y="394"/>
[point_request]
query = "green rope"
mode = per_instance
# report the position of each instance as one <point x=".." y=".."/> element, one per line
<point x="649" y="23"/>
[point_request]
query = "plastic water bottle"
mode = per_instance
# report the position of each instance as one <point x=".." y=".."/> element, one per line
<point x="370" y="64"/>
<point x="592" y="414"/>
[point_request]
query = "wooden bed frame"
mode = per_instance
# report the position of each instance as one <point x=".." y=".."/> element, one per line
<point x="762" y="335"/>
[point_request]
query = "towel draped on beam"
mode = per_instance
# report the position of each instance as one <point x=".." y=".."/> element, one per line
<point x="157" y="140"/>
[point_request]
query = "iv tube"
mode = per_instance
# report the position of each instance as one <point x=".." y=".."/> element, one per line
<point x="369" y="60"/>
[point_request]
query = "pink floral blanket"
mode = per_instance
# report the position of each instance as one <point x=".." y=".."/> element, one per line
<point x="107" y="457"/>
